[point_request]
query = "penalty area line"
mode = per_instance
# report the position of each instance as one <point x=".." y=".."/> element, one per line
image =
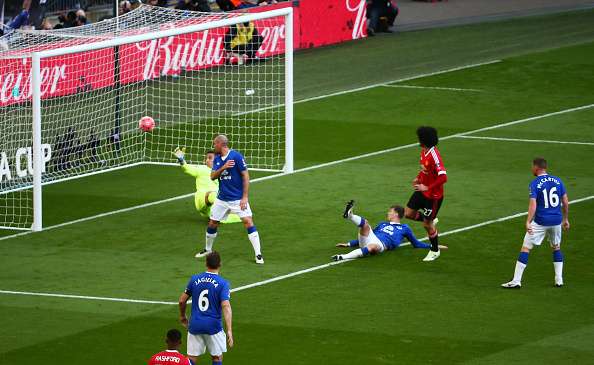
<point x="528" y="140"/>
<point x="398" y="86"/>
<point x="274" y="279"/>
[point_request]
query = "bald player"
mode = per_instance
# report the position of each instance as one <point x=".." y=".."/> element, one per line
<point x="230" y="169"/>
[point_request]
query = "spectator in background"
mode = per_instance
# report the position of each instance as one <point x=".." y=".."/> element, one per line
<point x="230" y="5"/>
<point x="242" y="43"/>
<point x="194" y="5"/>
<point x="46" y="25"/>
<point x="161" y="3"/>
<point x="70" y="20"/>
<point x="125" y="7"/>
<point x="267" y="2"/>
<point x="81" y="18"/>
<point x="135" y="4"/>
<point x="381" y="15"/>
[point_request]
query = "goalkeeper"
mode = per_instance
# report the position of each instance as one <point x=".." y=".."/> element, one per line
<point x="206" y="189"/>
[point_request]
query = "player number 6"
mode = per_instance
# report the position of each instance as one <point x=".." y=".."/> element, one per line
<point x="203" y="300"/>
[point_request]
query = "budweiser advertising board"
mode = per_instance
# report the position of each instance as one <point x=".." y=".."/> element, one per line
<point x="316" y="23"/>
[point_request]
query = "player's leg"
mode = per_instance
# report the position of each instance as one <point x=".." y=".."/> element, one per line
<point x="370" y="245"/>
<point x="246" y="217"/>
<point x="254" y="238"/>
<point x="218" y="212"/>
<point x="357" y="220"/>
<point x="530" y="240"/>
<point x="202" y="203"/>
<point x="411" y="211"/>
<point x="370" y="249"/>
<point x="217" y="345"/>
<point x="196" y="347"/>
<point x="429" y="216"/>
<point x="554" y="234"/>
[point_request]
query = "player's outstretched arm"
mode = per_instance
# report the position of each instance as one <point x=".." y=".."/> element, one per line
<point x="228" y="314"/>
<point x="414" y="241"/>
<point x="351" y="243"/>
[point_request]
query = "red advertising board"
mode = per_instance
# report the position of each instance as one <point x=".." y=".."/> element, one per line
<point x="316" y="23"/>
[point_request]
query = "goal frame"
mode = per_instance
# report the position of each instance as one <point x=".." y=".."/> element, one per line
<point x="36" y="57"/>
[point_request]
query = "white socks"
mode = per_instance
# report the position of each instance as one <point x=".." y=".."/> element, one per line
<point x="255" y="241"/>
<point x="210" y="238"/>
<point x="355" y="254"/>
<point x="519" y="271"/>
<point x="356" y="219"/>
<point x="558" y="270"/>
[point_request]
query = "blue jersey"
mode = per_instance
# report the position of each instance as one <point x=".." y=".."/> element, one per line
<point x="207" y="290"/>
<point x="548" y="190"/>
<point x="230" y="181"/>
<point x="392" y="234"/>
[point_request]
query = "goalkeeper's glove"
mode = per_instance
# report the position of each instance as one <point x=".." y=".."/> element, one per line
<point x="179" y="154"/>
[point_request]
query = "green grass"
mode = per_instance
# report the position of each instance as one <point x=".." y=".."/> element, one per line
<point x="390" y="309"/>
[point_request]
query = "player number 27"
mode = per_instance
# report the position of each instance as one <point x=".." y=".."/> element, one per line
<point x="551" y="199"/>
<point x="203" y="300"/>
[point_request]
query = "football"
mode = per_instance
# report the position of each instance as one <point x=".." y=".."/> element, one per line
<point x="146" y="124"/>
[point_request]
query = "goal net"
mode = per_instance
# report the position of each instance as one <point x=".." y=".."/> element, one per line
<point x="82" y="91"/>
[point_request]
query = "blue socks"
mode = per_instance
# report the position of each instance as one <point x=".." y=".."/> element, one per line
<point x="557" y="256"/>
<point x="252" y="229"/>
<point x="365" y="251"/>
<point x="523" y="258"/>
<point x="211" y="230"/>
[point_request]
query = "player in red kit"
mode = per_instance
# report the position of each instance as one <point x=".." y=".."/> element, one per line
<point x="425" y="202"/>
<point x="171" y="356"/>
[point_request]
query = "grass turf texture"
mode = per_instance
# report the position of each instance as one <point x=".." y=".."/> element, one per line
<point x="387" y="309"/>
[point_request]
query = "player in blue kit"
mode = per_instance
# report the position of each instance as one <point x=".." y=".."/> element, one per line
<point x="211" y="299"/>
<point x="230" y="168"/>
<point x="548" y="214"/>
<point x="387" y="235"/>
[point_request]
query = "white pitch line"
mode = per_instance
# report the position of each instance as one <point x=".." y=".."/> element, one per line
<point x="70" y="296"/>
<point x="314" y="167"/>
<point x="528" y="140"/>
<point x="519" y="121"/>
<point x="372" y="86"/>
<point x="433" y="88"/>
<point x="274" y="279"/>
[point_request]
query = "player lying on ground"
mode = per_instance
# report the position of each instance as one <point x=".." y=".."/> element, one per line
<point x="548" y="213"/>
<point x="206" y="189"/>
<point x="387" y="235"/>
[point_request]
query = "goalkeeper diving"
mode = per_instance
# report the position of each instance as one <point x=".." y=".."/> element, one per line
<point x="206" y="189"/>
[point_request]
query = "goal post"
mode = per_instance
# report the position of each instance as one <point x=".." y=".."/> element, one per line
<point x="189" y="71"/>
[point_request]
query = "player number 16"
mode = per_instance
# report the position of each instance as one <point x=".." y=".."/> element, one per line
<point x="551" y="199"/>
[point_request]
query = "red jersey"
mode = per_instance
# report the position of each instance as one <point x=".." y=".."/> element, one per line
<point x="169" y="357"/>
<point x="431" y="168"/>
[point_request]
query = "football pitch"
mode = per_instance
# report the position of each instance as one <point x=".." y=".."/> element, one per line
<point x="101" y="283"/>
